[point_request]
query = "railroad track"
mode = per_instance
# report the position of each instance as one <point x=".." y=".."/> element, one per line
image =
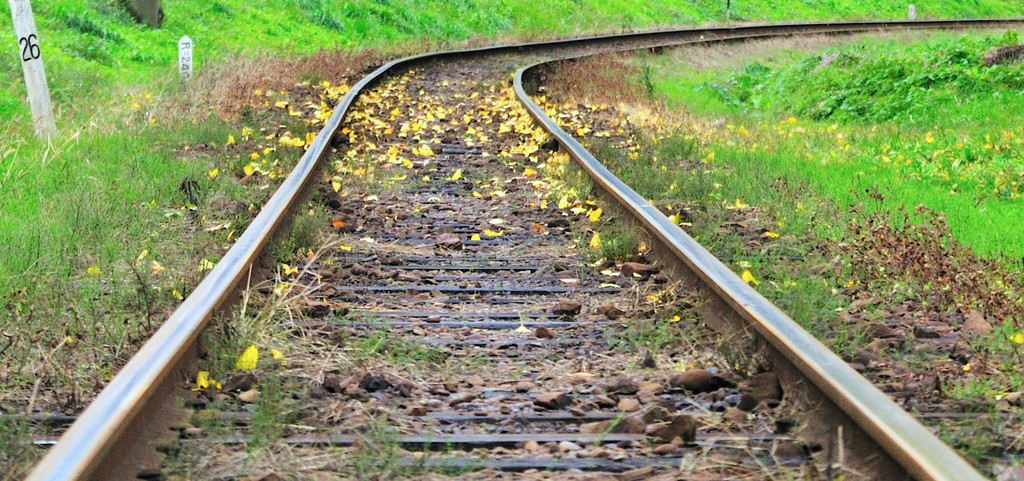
<point x="460" y="260"/>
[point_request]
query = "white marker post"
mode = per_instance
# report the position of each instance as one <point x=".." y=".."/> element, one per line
<point x="912" y="12"/>
<point x="185" y="58"/>
<point x="32" y="64"/>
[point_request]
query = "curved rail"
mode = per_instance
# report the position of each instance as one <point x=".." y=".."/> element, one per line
<point x="102" y="426"/>
<point x="911" y="444"/>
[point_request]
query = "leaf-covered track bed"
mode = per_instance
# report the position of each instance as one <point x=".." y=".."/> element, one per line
<point x="531" y="355"/>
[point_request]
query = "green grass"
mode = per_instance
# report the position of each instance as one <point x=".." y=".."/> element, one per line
<point x="910" y="123"/>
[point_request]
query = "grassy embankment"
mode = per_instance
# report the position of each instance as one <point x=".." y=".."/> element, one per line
<point x="843" y="153"/>
<point x="811" y="165"/>
<point x="881" y="124"/>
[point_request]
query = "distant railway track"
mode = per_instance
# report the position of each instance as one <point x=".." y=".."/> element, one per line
<point x="528" y="284"/>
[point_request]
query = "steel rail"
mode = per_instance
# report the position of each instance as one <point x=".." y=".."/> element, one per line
<point x="84" y="446"/>
<point x="922" y="454"/>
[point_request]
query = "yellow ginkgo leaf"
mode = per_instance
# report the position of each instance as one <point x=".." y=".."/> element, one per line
<point x="202" y="380"/>
<point x="93" y="271"/>
<point x="492" y="233"/>
<point x="749" y="278"/>
<point x="595" y="214"/>
<point x="595" y="241"/>
<point x="289" y="270"/>
<point x="247" y="361"/>
<point x="474" y="237"/>
<point x="177" y="295"/>
<point x="250" y="168"/>
<point x="335" y="185"/>
<point x="523" y="329"/>
<point x="771" y="235"/>
<point x="155" y="267"/>
<point x="457" y="175"/>
<point x="204" y="265"/>
<point x="563" y="202"/>
<point x="231" y="140"/>
<point x="279" y="357"/>
<point x="477" y="194"/>
<point x="345" y="248"/>
<point x="213" y="173"/>
<point x="528" y="172"/>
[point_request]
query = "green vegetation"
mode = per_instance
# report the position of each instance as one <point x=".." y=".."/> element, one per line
<point x="396" y="351"/>
<point x="877" y="123"/>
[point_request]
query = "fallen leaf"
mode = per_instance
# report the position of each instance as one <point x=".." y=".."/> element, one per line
<point x="457" y="175"/>
<point x="749" y="278"/>
<point x="595" y="241"/>
<point x="595" y="214"/>
<point x="247" y="361"/>
<point x="204" y="265"/>
<point x="203" y="381"/>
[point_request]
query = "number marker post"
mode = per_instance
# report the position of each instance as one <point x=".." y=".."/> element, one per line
<point x="912" y="12"/>
<point x="32" y="64"/>
<point x="185" y="57"/>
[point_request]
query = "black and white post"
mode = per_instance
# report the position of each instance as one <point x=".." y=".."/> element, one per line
<point x="30" y="54"/>
<point x="185" y="58"/>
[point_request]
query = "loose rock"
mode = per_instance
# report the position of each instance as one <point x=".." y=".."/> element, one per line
<point x="975" y="323"/>
<point x="448" y="241"/>
<point x="552" y="400"/>
<point x="622" y="385"/>
<point x="250" y="396"/>
<point x="628" y="404"/>
<point x="567" y="308"/>
<point x="699" y="380"/>
<point x="682" y="426"/>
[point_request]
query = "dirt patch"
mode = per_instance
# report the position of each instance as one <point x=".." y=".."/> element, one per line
<point x="1004" y="55"/>
<point x="234" y="84"/>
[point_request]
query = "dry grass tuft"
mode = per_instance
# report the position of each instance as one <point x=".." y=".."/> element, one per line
<point x="227" y="87"/>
